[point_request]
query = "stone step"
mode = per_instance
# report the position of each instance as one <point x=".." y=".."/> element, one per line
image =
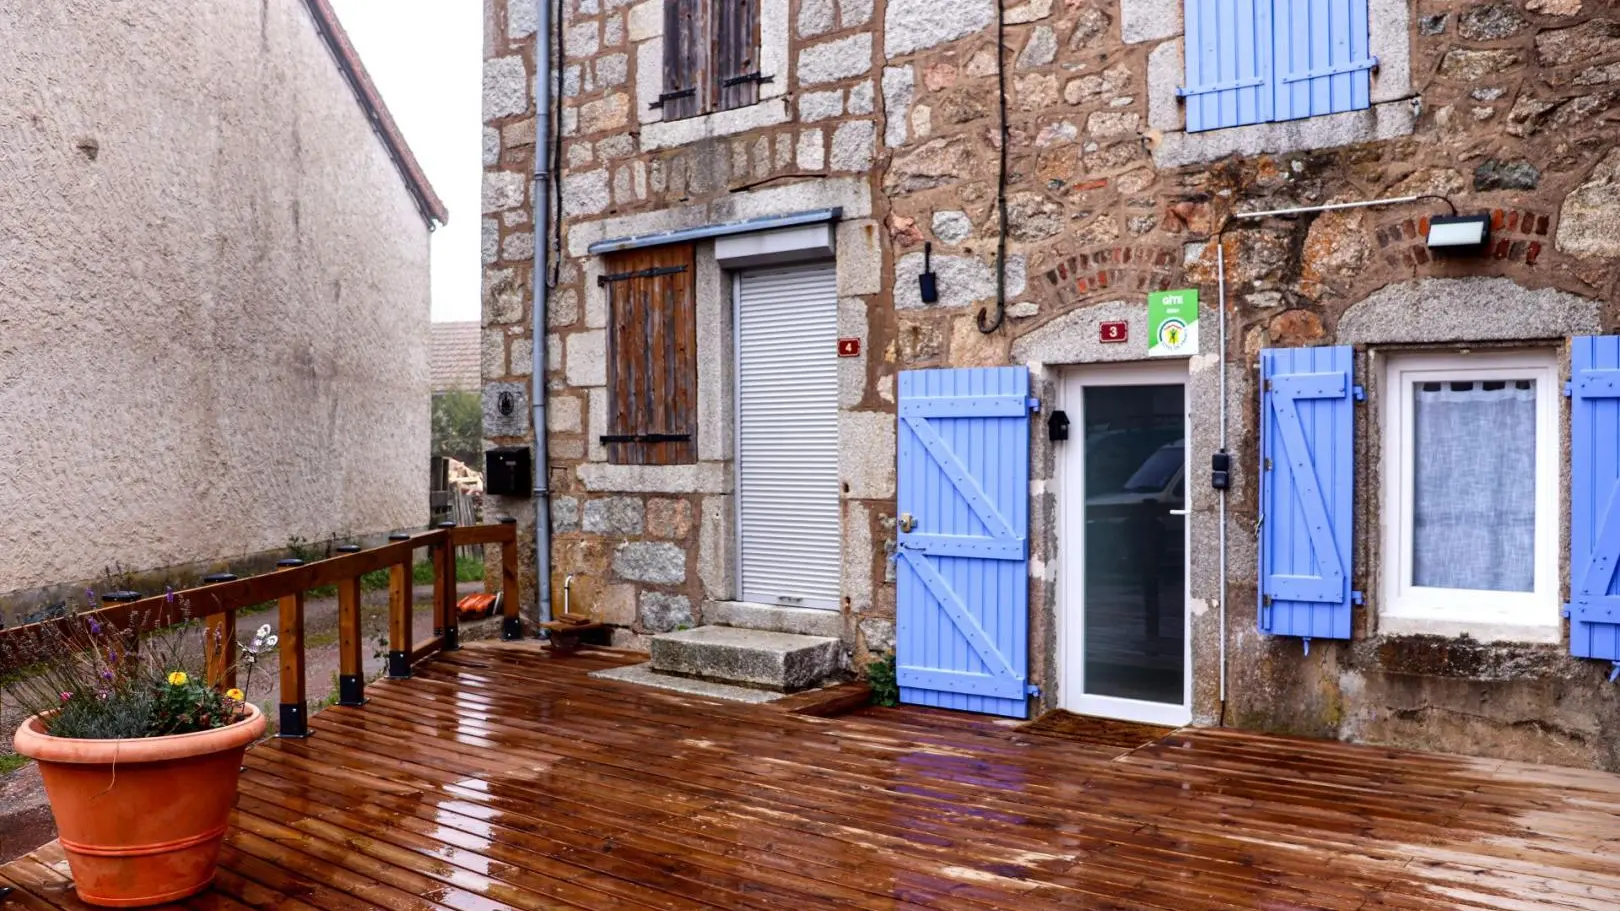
<point x="644" y="675"/>
<point x="784" y="662"/>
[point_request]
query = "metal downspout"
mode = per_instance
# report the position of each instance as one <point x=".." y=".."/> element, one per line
<point x="542" y="234"/>
<point x="1220" y="273"/>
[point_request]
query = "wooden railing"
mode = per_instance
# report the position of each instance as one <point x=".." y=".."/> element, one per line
<point x="217" y="602"/>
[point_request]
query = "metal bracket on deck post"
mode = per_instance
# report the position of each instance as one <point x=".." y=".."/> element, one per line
<point x="351" y="690"/>
<point x="399" y="665"/>
<point x="294" y="720"/>
<point x="511" y="629"/>
<point x="452" y="638"/>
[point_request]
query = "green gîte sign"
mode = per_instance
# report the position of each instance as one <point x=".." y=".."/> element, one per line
<point x="1173" y="323"/>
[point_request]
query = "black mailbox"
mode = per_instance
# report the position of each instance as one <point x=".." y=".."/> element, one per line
<point x="508" y="472"/>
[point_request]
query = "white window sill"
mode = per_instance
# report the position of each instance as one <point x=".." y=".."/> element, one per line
<point x="1482" y="629"/>
<point x="662" y="134"/>
<point x="1389" y="120"/>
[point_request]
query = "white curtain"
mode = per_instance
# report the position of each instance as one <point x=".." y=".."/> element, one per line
<point x="1474" y="496"/>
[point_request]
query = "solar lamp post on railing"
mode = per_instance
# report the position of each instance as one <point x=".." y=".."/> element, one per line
<point x="294" y="698"/>
<point x="445" y="621"/>
<point x="351" y="671"/>
<point x="511" y="621"/>
<point x="220" y="639"/>
<point x="400" y="598"/>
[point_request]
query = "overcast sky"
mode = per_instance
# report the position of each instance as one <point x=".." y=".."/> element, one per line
<point x="426" y="57"/>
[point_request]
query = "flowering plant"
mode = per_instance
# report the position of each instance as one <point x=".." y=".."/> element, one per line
<point x="88" y="678"/>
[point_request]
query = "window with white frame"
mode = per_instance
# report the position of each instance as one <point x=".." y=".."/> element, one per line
<point x="1470" y="495"/>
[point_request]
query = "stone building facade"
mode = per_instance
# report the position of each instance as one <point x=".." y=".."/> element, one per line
<point x="215" y="282"/>
<point x="892" y="114"/>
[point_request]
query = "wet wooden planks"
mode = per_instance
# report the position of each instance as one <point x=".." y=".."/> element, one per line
<point x="501" y="776"/>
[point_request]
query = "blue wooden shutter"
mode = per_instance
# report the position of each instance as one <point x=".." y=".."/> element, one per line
<point x="1320" y="63"/>
<point x="1229" y="60"/>
<point x="1594" y="498"/>
<point x="963" y="604"/>
<point x="1306" y="488"/>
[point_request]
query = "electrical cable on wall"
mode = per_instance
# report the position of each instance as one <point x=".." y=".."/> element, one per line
<point x="556" y="156"/>
<point x="1001" y="179"/>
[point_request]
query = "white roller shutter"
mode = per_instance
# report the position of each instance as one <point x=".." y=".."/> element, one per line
<point x="787" y="436"/>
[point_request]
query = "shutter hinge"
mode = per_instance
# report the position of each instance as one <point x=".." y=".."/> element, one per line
<point x="1268" y="463"/>
<point x="1569" y="390"/>
<point x="1033" y="403"/>
<point x="744" y="78"/>
<point x="1565" y="613"/>
<point x="1356" y="597"/>
<point x="1265" y="600"/>
<point x="1615" y="674"/>
<point x="603" y="280"/>
<point x="645" y="438"/>
<point x="1034" y="689"/>
<point x="1358" y="393"/>
<point x="1266" y="385"/>
<point x="671" y="96"/>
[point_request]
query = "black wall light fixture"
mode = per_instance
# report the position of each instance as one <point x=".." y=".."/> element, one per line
<point x="926" y="282"/>
<point x="1057" y="427"/>
<point x="1459" y="233"/>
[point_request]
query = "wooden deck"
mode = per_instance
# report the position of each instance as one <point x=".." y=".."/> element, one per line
<point x="501" y="777"/>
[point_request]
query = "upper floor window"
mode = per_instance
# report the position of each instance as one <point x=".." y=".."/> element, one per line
<point x="1256" y="61"/>
<point x="711" y="56"/>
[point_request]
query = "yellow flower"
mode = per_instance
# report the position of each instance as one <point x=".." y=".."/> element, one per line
<point x="234" y="693"/>
<point x="178" y="678"/>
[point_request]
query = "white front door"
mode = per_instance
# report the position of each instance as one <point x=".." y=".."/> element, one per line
<point x="1123" y="539"/>
<point x="787" y="436"/>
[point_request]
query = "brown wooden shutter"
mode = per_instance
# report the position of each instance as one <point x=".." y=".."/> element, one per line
<point x="686" y="57"/>
<point x="737" y="74"/>
<point x="652" y="357"/>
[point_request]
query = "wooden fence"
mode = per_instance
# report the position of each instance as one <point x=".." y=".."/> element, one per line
<point x="217" y="604"/>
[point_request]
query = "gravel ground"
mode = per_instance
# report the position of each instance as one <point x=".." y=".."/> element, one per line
<point x="25" y="819"/>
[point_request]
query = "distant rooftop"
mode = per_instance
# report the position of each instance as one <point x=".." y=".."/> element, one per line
<point x="454" y="358"/>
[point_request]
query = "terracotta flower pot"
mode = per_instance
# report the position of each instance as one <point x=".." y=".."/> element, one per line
<point x="141" y="820"/>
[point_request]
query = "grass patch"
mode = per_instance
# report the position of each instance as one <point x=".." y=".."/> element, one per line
<point x="11" y="762"/>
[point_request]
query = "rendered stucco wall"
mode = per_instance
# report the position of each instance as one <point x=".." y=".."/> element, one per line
<point x="213" y="292"/>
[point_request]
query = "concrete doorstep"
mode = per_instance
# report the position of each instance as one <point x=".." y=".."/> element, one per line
<point x="782" y="662"/>
<point x="739" y="665"/>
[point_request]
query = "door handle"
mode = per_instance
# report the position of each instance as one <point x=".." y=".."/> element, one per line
<point x="1178" y="512"/>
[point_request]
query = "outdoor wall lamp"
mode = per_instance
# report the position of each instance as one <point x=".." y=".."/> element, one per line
<point x="1460" y="233"/>
<point x="927" y="285"/>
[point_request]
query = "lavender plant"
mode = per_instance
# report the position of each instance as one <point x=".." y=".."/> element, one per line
<point x="91" y="679"/>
